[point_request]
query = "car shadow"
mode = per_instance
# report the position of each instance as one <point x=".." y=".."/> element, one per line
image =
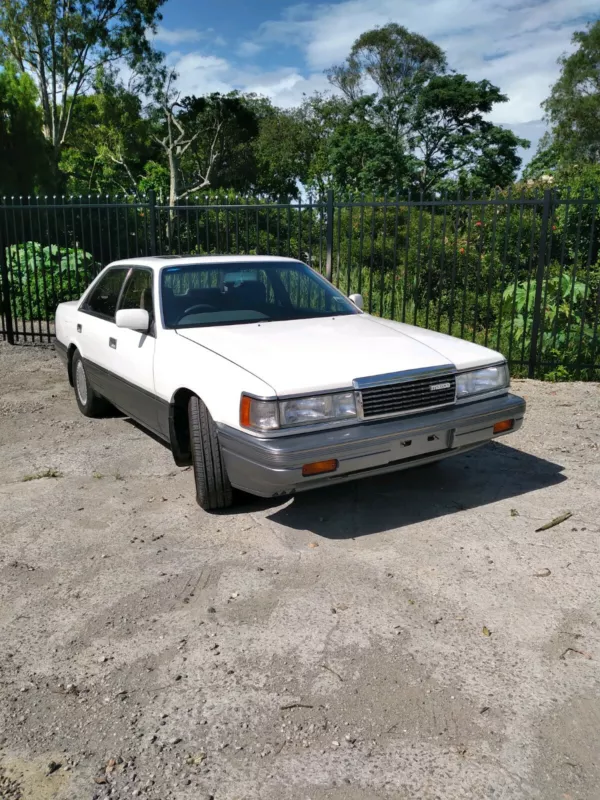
<point x="486" y="475"/>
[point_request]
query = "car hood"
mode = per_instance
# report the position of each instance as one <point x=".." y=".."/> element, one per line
<point x="300" y="356"/>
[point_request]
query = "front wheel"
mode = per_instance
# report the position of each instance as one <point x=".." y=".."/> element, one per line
<point x="213" y="490"/>
<point x="90" y="404"/>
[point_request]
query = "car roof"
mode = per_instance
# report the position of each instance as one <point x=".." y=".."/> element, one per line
<point x="162" y="261"/>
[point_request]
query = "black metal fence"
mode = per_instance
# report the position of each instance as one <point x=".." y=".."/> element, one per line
<point x="516" y="272"/>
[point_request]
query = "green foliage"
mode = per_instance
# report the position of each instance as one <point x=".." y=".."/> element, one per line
<point x="397" y="61"/>
<point x="565" y="338"/>
<point x="222" y="129"/>
<point x="361" y="153"/>
<point x="109" y="142"/>
<point x="23" y="153"/>
<point x="62" y="45"/>
<point x="573" y="108"/>
<point x="42" y="277"/>
<point x="430" y="122"/>
<point x="545" y="161"/>
<point x="450" y="134"/>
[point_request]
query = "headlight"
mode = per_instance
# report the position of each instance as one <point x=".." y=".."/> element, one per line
<point x="480" y="381"/>
<point x="264" y="415"/>
<point x="304" y="410"/>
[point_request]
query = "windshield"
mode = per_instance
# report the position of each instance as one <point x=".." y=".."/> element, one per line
<point x="196" y="295"/>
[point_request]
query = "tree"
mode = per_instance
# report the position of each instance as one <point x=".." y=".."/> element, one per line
<point x="222" y="154"/>
<point x="282" y="153"/>
<point x="432" y="125"/>
<point x="294" y="145"/>
<point x="62" y="43"/>
<point x="109" y="140"/>
<point x="545" y="160"/>
<point x="397" y="62"/>
<point x="450" y="134"/>
<point x="23" y="152"/>
<point x="362" y="154"/>
<point x="198" y="136"/>
<point x="573" y="108"/>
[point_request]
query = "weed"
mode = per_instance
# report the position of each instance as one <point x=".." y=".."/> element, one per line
<point x="49" y="473"/>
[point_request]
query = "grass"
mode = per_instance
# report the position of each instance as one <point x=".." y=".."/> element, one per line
<point x="49" y="473"/>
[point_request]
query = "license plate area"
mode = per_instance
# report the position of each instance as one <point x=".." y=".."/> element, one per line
<point x="422" y="444"/>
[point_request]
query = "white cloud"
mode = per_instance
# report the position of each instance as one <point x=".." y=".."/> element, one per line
<point x="247" y="49"/>
<point x="202" y="74"/>
<point x="286" y="88"/>
<point x="175" y="36"/>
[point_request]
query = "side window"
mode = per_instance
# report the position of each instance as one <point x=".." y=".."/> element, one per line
<point x="103" y="299"/>
<point x="138" y="291"/>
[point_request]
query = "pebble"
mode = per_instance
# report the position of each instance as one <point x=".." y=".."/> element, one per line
<point x="542" y="573"/>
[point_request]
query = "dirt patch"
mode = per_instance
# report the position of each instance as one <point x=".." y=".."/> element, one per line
<point x="155" y="651"/>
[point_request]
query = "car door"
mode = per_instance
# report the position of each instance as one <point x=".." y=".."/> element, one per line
<point x="96" y="329"/>
<point x="133" y="354"/>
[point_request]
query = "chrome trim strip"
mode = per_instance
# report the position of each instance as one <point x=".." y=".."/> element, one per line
<point x="404" y="377"/>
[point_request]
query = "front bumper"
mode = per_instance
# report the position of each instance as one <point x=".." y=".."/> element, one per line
<point x="271" y="467"/>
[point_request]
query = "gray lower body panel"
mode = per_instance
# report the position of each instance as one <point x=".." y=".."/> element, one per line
<point x="61" y="351"/>
<point x="270" y="467"/>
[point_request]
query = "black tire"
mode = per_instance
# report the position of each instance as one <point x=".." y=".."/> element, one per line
<point x="213" y="490"/>
<point x="90" y="404"/>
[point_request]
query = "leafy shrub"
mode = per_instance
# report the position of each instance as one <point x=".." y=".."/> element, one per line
<point x="41" y="277"/>
<point x="565" y="340"/>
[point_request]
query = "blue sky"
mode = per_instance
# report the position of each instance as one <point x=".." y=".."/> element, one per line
<point x="280" y="49"/>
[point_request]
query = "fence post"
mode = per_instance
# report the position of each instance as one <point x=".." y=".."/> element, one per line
<point x="5" y="291"/>
<point x="539" y="281"/>
<point x="152" y="216"/>
<point x="329" y="236"/>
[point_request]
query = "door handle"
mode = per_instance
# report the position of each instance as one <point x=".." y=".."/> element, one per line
<point x="112" y="343"/>
<point x="79" y="328"/>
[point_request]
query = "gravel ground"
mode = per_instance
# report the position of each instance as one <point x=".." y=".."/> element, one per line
<point x="411" y="636"/>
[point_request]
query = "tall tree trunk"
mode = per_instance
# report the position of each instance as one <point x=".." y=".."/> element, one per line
<point x="173" y="191"/>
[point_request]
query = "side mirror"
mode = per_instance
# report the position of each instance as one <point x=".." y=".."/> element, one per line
<point x="137" y="319"/>
<point x="357" y="300"/>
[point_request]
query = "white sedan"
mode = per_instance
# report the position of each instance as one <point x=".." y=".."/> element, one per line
<point x="266" y="378"/>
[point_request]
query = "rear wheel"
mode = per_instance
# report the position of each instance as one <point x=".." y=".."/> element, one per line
<point x="90" y="404"/>
<point x="213" y="490"/>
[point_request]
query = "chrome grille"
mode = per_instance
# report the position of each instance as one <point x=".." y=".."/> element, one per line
<point x="402" y="398"/>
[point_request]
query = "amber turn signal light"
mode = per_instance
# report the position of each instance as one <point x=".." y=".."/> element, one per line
<point x="319" y="467"/>
<point x="245" y="411"/>
<point x="505" y="425"/>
